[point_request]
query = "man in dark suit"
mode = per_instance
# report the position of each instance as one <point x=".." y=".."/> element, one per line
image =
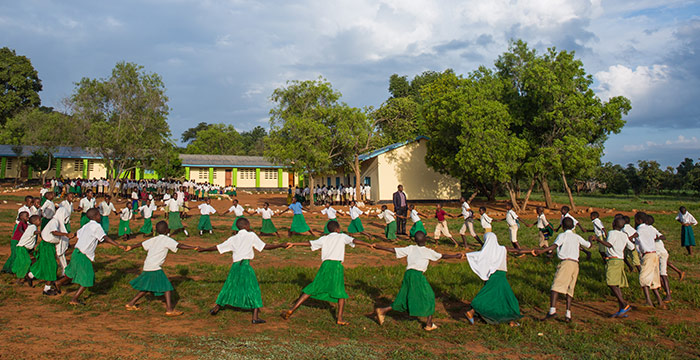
<point x="401" y="209"/>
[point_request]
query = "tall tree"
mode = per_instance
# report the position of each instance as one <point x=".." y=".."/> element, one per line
<point x="191" y="134"/>
<point x="125" y="116"/>
<point x="19" y="84"/>
<point x="254" y="141"/>
<point x="216" y="139"/>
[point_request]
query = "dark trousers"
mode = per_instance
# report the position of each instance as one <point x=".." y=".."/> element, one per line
<point x="401" y="221"/>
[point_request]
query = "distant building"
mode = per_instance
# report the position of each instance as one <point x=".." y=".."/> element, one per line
<point x="244" y="172"/>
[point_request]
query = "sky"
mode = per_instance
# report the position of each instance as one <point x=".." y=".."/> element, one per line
<point x="221" y="60"/>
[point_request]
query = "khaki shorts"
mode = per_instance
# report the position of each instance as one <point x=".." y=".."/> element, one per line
<point x="441" y="229"/>
<point x="565" y="277"/>
<point x="649" y="276"/>
<point x="513" y="233"/>
<point x="663" y="263"/>
<point x="543" y="242"/>
<point x="468" y="225"/>
<point x="487" y="230"/>
<point x="633" y="257"/>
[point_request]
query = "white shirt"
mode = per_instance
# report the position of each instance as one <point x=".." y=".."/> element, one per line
<point x="568" y="244"/>
<point x="629" y="230"/>
<point x="43" y="191"/>
<point x="48" y="209"/>
<point x="67" y="205"/>
<point x="415" y="217"/>
<point x="619" y="241"/>
<point x="686" y="218"/>
<point x="332" y="246"/>
<point x="417" y="257"/>
<point x="660" y="247"/>
<point x="242" y="245"/>
<point x="355" y="212"/>
<point x="598" y="227"/>
<point x="86" y="204"/>
<point x="485" y="221"/>
<point x="511" y="218"/>
<point x="147" y="211"/>
<point x="387" y="215"/>
<point x="157" y="249"/>
<point x="542" y="221"/>
<point x="265" y="213"/>
<point x="206" y="209"/>
<point x="126" y="214"/>
<point x="172" y="205"/>
<point x="33" y="210"/>
<point x="330" y="212"/>
<point x="466" y="210"/>
<point x="88" y="237"/>
<point x="51" y="226"/>
<point x="28" y="239"/>
<point x="569" y="216"/>
<point x="106" y="209"/>
<point x="134" y="195"/>
<point x="647" y="238"/>
<point x="236" y="210"/>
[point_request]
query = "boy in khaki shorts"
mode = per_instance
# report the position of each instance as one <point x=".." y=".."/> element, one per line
<point x="567" y="245"/>
<point x="441" y="227"/>
<point x="468" y="215"/>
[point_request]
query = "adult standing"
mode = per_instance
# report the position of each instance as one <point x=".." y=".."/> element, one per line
<point x="401" y="209"/>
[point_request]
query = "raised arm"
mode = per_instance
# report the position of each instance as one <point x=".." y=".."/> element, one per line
<point x="383" y="248"/>
<point x="276" y="246"/>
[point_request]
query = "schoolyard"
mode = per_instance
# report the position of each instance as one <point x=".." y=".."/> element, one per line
<point x="35" y="326"/>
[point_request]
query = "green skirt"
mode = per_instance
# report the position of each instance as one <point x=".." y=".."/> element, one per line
<point x="45" y="267"/>
<point x="390" y="230"/>
<point x="152" y="281"/>
<point x="234" y="227"/>
<point x="241" y="288"/>
<point x="495" y="302"/>
<point x="174" y="222"/>
<point x="22" y="262"/>
<point x="44" y="221"/>
<point x="7" y="268"/>
<point x="355" y="226"/>
<point x="124" y="227"/>
<point x="204" y="223"/>
<point x="147" y="227"/>
<point x="417" y="226"/>
<point x="80" y="269"/>
<point x="329" y="283"/>
<point x="615" y="273"/>
<point x="105" y="224"/>
<point x="83" y="219"/>
<point x="299" y="224"/>
<point x="68" y="227"/>
<point x="268" y="227"/>
<point x="687" y="236"/>
<point x="415" y="297"/>
<point x="325" y="227"/>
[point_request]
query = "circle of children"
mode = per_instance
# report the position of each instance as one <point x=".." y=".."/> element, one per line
<point x="43" y="228"/>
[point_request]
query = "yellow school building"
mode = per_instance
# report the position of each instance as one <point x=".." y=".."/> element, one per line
<point x="244" y="172"/>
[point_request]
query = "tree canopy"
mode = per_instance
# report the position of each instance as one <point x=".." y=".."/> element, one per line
<point x="19" y="84"/>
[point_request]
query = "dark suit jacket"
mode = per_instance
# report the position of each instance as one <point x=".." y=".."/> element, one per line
<point x="397" y="200"/>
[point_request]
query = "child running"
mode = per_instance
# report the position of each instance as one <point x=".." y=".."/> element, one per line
<point x="268" y="227"/>
<point x="356" y="226"/>
<point x="28" y="200"/>
<point x="152" y="278"/>
<point x="631" y="256"/>
<point x="106" y="208"/>
<point x="237" y="210"/>
<point x="124" y="222"/>
<point x="599" y="231"/>
<point x="649" y="277"/>
<point x="390" y="227"/>
<point x="241" y="289"/>
<point x="565" y="214"/>
<point x="174" y="223"/>
<point x="147" y="214"/>
<point x="544" y="229"/>
<point x="86" y="203"/>
<point x="468" y="215"/>
<point x="485" y="220"/>
<point x="205" y="212"/>
<point x="23" y="261"/>
<point x="664" y="262"/>
<point x="299" y="225"/>
<point x="418" y="222"/>
<point x="441" y="226"/>
<point x="330" y="212"/>
<point x="44" y="268"/>
<point x="415" y="297"/>
<point x="687" y="221"/>
<point x="329" y="283"/>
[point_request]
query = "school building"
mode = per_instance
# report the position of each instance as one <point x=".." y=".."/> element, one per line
<point x="244" y="172"/>
<point x="401" y="163"/>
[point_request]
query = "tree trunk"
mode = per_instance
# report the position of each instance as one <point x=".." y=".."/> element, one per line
<point x="311" y="189"/>
<point x="547" y="193"/>
<point x="492" y="192"/>
<point x="529" y="191"/>
<point x="513" y="196"/>
<point x="45" y="172"/>
<point x="358" y="185"/>
<point x="469" y="201"/>
<point x="568" y="191"/>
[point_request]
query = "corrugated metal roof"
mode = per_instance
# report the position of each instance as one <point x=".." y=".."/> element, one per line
<point x="194" y="160"/>
<point x="62" y="152"/>
<point x="388" y="148"/>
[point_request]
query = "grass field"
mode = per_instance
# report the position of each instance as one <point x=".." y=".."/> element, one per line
<point x="28" y="321"/>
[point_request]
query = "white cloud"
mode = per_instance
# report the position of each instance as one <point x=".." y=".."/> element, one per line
<point x="680" y="143"/>
<point x="635" y="84"/>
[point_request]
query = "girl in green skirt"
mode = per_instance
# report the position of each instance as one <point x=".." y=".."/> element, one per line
<point x="173" y="209"/>
<point x="147" y="213"/>
<point x="268" y="228"/>
<point x="687" y="222"/>
<point x="237" y="210"/>
<point x="205" y="211"/>
<point x="417" y="222"/>
<point x="22" y="262"/>
<point x="152" y="278"/>
<point x="124" y="222"/>
<point x="355" y="226"/>
<point x="45" y="266"/>
<point x="388" y="217"/>
<point x="299" y="225"/>
<point x="241" y="289"/>
<point x="495" y="302"/>
<point x="329" y="283"/>
<point x="415" y="297"/>
<point x="20" y="228"/>
<point x="330" y="212"/>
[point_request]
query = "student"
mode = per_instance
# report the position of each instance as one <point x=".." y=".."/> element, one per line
<point x="28" y="200"/>
<point x="205" y="212"/>
<point x="134" y="199"/>
<point x="485" y="220"/>
<point x="468" y="215"/>
<point x="330" y="212"/>
<point x="86" y="203"/>
<point x="441" y="226"/>
<point x="329" y="283"/>
<point x="417" y="222"/>
<point x="174" y="223"/>
<point x="44" y="268"/>
<point x="268" y="228"/>
<point x="152" y="278"/>
<point x="124" y="225"/>
<point x="356" y="226"/>
<point x="631" y="256"/>
<point x="106" y="208"/>
<point x="567" y="245"/>
<point x="664" y="263"/>
<point x="390" y="228"/>
<point x="565" y="214"/>
<point x="22" y="262"/>
<point x="299" y="225"/>
<point x="615" y="244"/>
<point x="48" y="209"/>
<point x="241" y="289"/>
<point x="415" y="297"/>
<point x="649" y="277"/>
<point x="80" y="270"/>
<point x="147" y="214"/>
<point x="599" y="231"/>
<point x="513" y="225"/>
<point x="35" y="209"/>
<point x="237" y="210"/>
<point x="687" y="222"/>
<point x="67" y="204"/>
<point x="545" y="229"/>
<point x="495" y="303"/>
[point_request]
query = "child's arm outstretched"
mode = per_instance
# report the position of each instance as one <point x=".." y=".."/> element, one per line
<point x="277" y="246"/>
<point x="536" y="252"/>
<point x="362" y="243"/>
<point x="113" y="243"/>
<point x="453" y="256"/>
<point x="593" y="238"/>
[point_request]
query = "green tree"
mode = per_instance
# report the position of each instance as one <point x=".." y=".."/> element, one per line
<point x="614" y="178"/>
<point x="399" y="119"/>
<point x="19" y="82"/>
<point x="125" y="117"/>
<point x="168" y="165"/>
<point x="217" y="139"/>
<point x="651" y="176"/>
<point x="191" y="134"/>
<point x="254" y="141"/>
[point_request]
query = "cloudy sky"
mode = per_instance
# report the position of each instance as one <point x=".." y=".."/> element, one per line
<point x="221" y="60"/>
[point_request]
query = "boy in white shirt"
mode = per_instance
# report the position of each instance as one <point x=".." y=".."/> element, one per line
<point x="67" y="204"/>
<point x="664" y="262"/>
<point x="565" y="214"/>
<point x="80" y="270"/>
<point x="649" y="276"/>
<point x="415" y="296"/>
<point x="631" y="256"/>
<point x="237" y="210"/>
<point x="329" y="283"/>
<point x="152" y="278"/>
<point x="48" y="209"/>
<point x="268" y="228"/>
<point x="86" y="203"/>
<point x="22" y="262"/>
<point x="106" y="208"/>
<point x="241" y="288"/>
<point x="205" y="212"/>
<point x="545" y="229"/>
<point x="330" y="212"/>
<point x="513" y="224"/>
<point x="390" y="228"/>
<point x="124" y="222"/>
<point x="599" y="231"/>
<point x="485" y="220"/>
<point x="687" y="221"/>
<point x="468" y="215"/>
<point x="567" y="245"/>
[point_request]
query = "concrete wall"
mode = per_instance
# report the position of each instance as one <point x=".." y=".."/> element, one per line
<point x="243" y="177"/>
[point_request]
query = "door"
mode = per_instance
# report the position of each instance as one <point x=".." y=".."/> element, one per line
<point x="24" y="172"/>
<point x="291" y="179"/>
<point x="229" y="172"/>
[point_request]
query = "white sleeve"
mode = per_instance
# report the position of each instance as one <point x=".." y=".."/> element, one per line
<point x="225" y="246"/>
<point x="258" y="244"/>
<point x="316" y="244"/>
<point x="434" y="255"/>
<point x="401" y="252"/>
<point x="172" y="245"/>
<point x="348" y="240"/>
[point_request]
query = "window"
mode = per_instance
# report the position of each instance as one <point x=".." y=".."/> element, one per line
<point x="9" y="164"/>
<point x="78" y="165"/>
<point x="270" y="174"/>
<point x="203" y="174"/>
<point x="214" y="174"/>
<point x="91" y="165"/>
<point x="247" y="174"/>
<point x="368" y="181"/>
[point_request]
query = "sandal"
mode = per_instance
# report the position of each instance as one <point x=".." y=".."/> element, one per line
<point x="470" y="317"/>
<point x="132" y="308"/>
<point x="430" y="328"/>
<point x="286" y="315"/>
<point x="380" y="316"/>
<point x="77" y="303"/>
<point x="173" y="313"/>
<point x="342" y="323"/>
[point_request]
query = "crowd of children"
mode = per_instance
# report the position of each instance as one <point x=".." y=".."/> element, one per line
<point x="43" y="231"/>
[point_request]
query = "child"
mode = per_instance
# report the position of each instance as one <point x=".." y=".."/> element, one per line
<point x="567" y="245"/>
<point x="615" y="245"/>
<point x="468" y="215"/>
<point x="45" y="266"/>
<point x="441" y="227"/>
<point x="35" y="209"/>
<point x="390" y="228"/>
<point x="485" y="220"/>
<point x="124" y="225"/>
<point x="565" y="214"/>
<point x="299" y="225"/>
<point x="649" y="277"/>
<point x="147" y="213"/>
<point x="152" y="278"/>
<point x="86" y="203"/>
<point x="241" y="288"/>
<point x="23" y="262"/>
<point x="106" y="208"/>
<point x="28" y="200"/>
<point x="664" y="263"/>
<point x="48" y="209"/>
<point x="80" y="270"/>
<point x="330" y="212"/>
<point x="495" y="303"/>
<point x="134" y="199"/>
<point x="205" y="212"/>
<point x="268" y="228"/>
<point x="631" y="256"/>
<point x="356" y="226"/>
<point x="329" y="283"/>
<point x="67" y="204"/>
<point x="545" y="229"/>
<point x="513" y="224"/>
<point x="237" y="210"/>
<point x="417" y="222"/>
<point x="415" y="297"/>
<point x="687" y="222"/>
<point x="599" y="231"/>
<point x="174" y="223"/>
